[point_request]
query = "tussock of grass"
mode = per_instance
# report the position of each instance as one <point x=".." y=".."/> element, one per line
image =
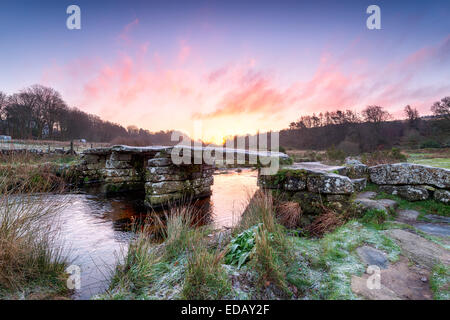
<point x="30" y="258"/>
<point x="271" y="253"/>
<point x="289" y="213"/>
<point x="205" y="277"/>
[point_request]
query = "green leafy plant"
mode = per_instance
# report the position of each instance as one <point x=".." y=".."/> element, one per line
<point x="242" y="246"/>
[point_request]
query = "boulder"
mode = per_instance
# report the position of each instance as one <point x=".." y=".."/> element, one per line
<point x="115" y="164"/>
<point x="359" y="184"/>
<point x="356" y="169"/>
<point x="410" y="174"/>
<point x="442" y="196"/>
<point x="410" y="193"/>
<point x="289" y="181"/>
<point x="366" y="195"/>
<point x="329" y="183"/>
<point x="385" y="205"/>
<point x="407" y="215"/>
<point x="165" y="187"/>
<point x="294" y="184"/>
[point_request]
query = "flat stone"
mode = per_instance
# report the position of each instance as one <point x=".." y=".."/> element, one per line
<point x="359" y="286"/>
<point x="434" y="229"/>
<point x="407" y="215"/>
<point x="164" y="187"/>
<point x="316" y="167"/>
<point x="388" y="204"/>
<point x="357" y="171"/>
<point x="115" y="164"/>
<point x="410" y="193"/>
<point x="159" y="162"/>
<point x="366" y="195"/>
<point x="116" y="156"/>
<point x="419" y="249"/>
<point x="371" y="256"/>
<point x="329" y="183"/>
<point x="294" y="184"/>
<point x="385" y="205"/>
<point x="410" y="174"/>
<point x="131" y="173"/>
<point x="438" y="219"/>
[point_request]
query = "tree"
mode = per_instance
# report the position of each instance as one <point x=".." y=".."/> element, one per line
<point x="375" y="114"/>
<point x="412" y="115"/>
<point x="442" y="108"/>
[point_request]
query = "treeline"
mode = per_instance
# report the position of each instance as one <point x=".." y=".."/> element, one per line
<point x="369" y="130"/>
<point x="39" y="112"/>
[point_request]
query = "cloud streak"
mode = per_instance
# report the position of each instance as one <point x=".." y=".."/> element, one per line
<point x="168" y="91"/>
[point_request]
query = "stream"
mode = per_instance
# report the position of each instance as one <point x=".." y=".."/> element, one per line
<point x="95" y="231"/>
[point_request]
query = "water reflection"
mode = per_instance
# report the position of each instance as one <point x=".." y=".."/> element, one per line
<point x="97" y="229"/>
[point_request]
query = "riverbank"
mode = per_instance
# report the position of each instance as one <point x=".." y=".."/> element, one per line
<point x="262" y="259"/>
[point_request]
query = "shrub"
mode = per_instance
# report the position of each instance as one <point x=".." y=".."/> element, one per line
<point x="335" y="154"/>
<point x="430" y="144"/>
<point x="349" y="147"/>
<point x="383" y="157"/>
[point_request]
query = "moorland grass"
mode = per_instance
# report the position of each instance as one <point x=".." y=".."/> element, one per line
<point x="32" y="264"/>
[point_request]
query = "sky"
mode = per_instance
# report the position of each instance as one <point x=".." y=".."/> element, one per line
<point x="229" y="67"/>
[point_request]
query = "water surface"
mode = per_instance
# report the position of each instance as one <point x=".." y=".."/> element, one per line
<point x="97" y="229"/>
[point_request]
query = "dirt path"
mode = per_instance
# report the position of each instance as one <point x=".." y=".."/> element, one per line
<point x="408" y="278"/>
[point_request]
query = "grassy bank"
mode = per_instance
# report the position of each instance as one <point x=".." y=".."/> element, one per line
<point x="258" y="259"/>
<point x="36" y="173"/>
<point x="32" y="263"/>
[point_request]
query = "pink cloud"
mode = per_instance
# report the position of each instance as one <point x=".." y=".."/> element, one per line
<point x="154" y="91"/>
<point x="125" y="34"/>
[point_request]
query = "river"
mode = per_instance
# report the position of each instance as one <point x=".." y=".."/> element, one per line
<point x="95" y="228"/>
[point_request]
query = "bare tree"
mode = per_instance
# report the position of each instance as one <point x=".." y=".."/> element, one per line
<point x="442" y="108"/>
<point x="375" y="114"/>
<point x="411" y="113"/>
